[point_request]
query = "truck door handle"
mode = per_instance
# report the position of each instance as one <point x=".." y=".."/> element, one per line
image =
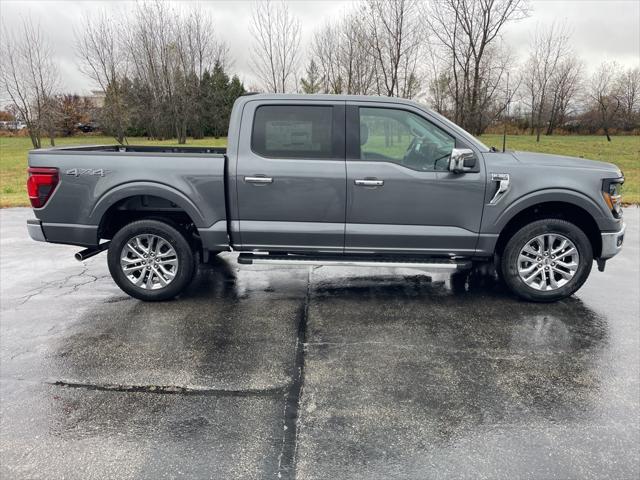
<point x="369" y="182"/>
<point x="259" y="180"/>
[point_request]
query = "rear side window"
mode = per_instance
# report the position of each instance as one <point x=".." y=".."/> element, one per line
<point x="293" y="131"/>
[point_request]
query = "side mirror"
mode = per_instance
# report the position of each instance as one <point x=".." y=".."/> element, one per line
<point x="462" y="160"/>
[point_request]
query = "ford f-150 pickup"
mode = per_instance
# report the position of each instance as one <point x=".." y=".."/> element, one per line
<point x="330" y="180"/>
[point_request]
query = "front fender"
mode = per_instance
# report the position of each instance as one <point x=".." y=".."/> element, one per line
<point x="116" y="194"/>
<point x="495" y="220"/>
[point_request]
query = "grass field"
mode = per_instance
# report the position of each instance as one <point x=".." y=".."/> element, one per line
<point x="623" y="151"/>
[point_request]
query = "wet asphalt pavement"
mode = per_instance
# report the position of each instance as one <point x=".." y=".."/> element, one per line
<point x="313" y="373"/>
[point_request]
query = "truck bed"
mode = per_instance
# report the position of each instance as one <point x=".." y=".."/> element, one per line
<point x="95" y="180"/>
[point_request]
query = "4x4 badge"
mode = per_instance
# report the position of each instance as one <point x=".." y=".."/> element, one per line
<point x="76" y="172"/>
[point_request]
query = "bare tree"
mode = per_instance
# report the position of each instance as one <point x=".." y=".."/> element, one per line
<point x="602" y="92"/>
<point x="342" y="53"/>
<point x="549" y="47"/>
<point x="276" y="49"/>
<point x="395" y="36"/>
<point x="198" y="51"/>
<point x="325" y="51"/>
<point x="439" y="81"/>
<point x="628" y="92"/>
<point x="497" y="87"/>
<point x="199" y="48"/>
<point x="449" y="92"/>
<point x="357" y="65"/>
<point x="103" y="59"/>
<point x="30" y="78"/>
<point x="438" y="92"/>
<point x="150" y="46"/>
<point x="168" y="51"/>
<point x="467" y="32"/>
<point x="563" y="90"/>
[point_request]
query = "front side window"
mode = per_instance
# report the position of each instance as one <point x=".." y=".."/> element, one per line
<point x="402" y="137"/>
<point x="293" y="131"/>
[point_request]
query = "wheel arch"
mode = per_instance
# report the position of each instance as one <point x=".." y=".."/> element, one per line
<point x="132" y="202"/>
<point x="150" y="189"/>
<point x="562" y="209"/>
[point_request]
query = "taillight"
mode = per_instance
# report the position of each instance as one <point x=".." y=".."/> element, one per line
<point x="41" y="184"/>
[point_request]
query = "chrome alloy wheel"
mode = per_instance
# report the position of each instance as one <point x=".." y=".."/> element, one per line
<point x="548" y="262"/>
<point x="149" y="261"/>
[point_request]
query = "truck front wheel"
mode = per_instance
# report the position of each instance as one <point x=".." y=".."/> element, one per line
<point x="151" y="260"/>
<point x="547" y="260"/>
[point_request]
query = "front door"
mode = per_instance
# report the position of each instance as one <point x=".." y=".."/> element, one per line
<point x="291" y="176"/>
<point x="401" y="198"/>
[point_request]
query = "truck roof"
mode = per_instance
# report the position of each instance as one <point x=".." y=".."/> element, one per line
<point x="362" y="98"/>
<point x="324" y="96"/>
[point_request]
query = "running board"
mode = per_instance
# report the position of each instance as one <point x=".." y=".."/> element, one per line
<point x="441" y="264"/>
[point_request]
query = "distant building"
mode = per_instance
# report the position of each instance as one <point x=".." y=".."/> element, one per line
<point x="96" y="98"/>
<point x="13" y="125"/>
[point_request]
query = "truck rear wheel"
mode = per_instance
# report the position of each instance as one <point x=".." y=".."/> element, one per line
<point x="151" y="260"/>
<point x="547" y="260"/>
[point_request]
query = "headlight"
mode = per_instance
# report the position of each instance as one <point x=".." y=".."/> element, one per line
<point x="612" y="196"/>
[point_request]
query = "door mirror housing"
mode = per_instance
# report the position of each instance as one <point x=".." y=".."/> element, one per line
<point x="462" y="160"/>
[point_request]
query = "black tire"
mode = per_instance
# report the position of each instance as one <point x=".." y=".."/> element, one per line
<point x="497" y="264"/>
<point x="186" y="260"/>
<point x="509" y="259"/>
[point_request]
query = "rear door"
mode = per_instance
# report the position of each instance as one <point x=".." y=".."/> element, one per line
<point x="291" y="176"/>
<point x="401" y="198"/>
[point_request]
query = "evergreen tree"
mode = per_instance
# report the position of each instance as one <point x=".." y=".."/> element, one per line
<point x="313" y="82"/>
<point x="218" y="95"/>
<point x="219" y="89"/>
<point x="236" y="89"/>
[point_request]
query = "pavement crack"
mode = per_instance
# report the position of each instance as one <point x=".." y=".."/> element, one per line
<point x="351" y="344"/>
<point x="287" y="457"/>
<point x="60" y="284"/>
<point x="28" y="297"/>
<point x="172" y="389"/>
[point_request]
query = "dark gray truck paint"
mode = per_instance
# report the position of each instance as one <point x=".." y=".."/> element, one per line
<point x="194" y="182"/>
<point x="413" y="200"/>
<point x="314" y="205"/>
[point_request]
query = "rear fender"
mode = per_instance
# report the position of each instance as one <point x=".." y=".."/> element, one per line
<point x="127" y="190"/>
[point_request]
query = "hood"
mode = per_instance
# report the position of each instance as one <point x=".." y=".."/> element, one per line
<point x="547" y="160"/>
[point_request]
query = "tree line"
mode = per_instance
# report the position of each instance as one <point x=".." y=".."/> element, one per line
<point x="451" y="55"/>
<point x="164" y="71"/>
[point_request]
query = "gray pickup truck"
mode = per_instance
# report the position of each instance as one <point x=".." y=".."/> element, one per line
<point x="330" y="180"/>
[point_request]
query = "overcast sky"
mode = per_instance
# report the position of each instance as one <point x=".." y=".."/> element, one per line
<point x="602" y="29"/>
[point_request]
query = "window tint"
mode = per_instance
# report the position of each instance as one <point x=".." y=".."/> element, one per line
<point x="292" y="131"/>
<point x="402" y="137"/>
